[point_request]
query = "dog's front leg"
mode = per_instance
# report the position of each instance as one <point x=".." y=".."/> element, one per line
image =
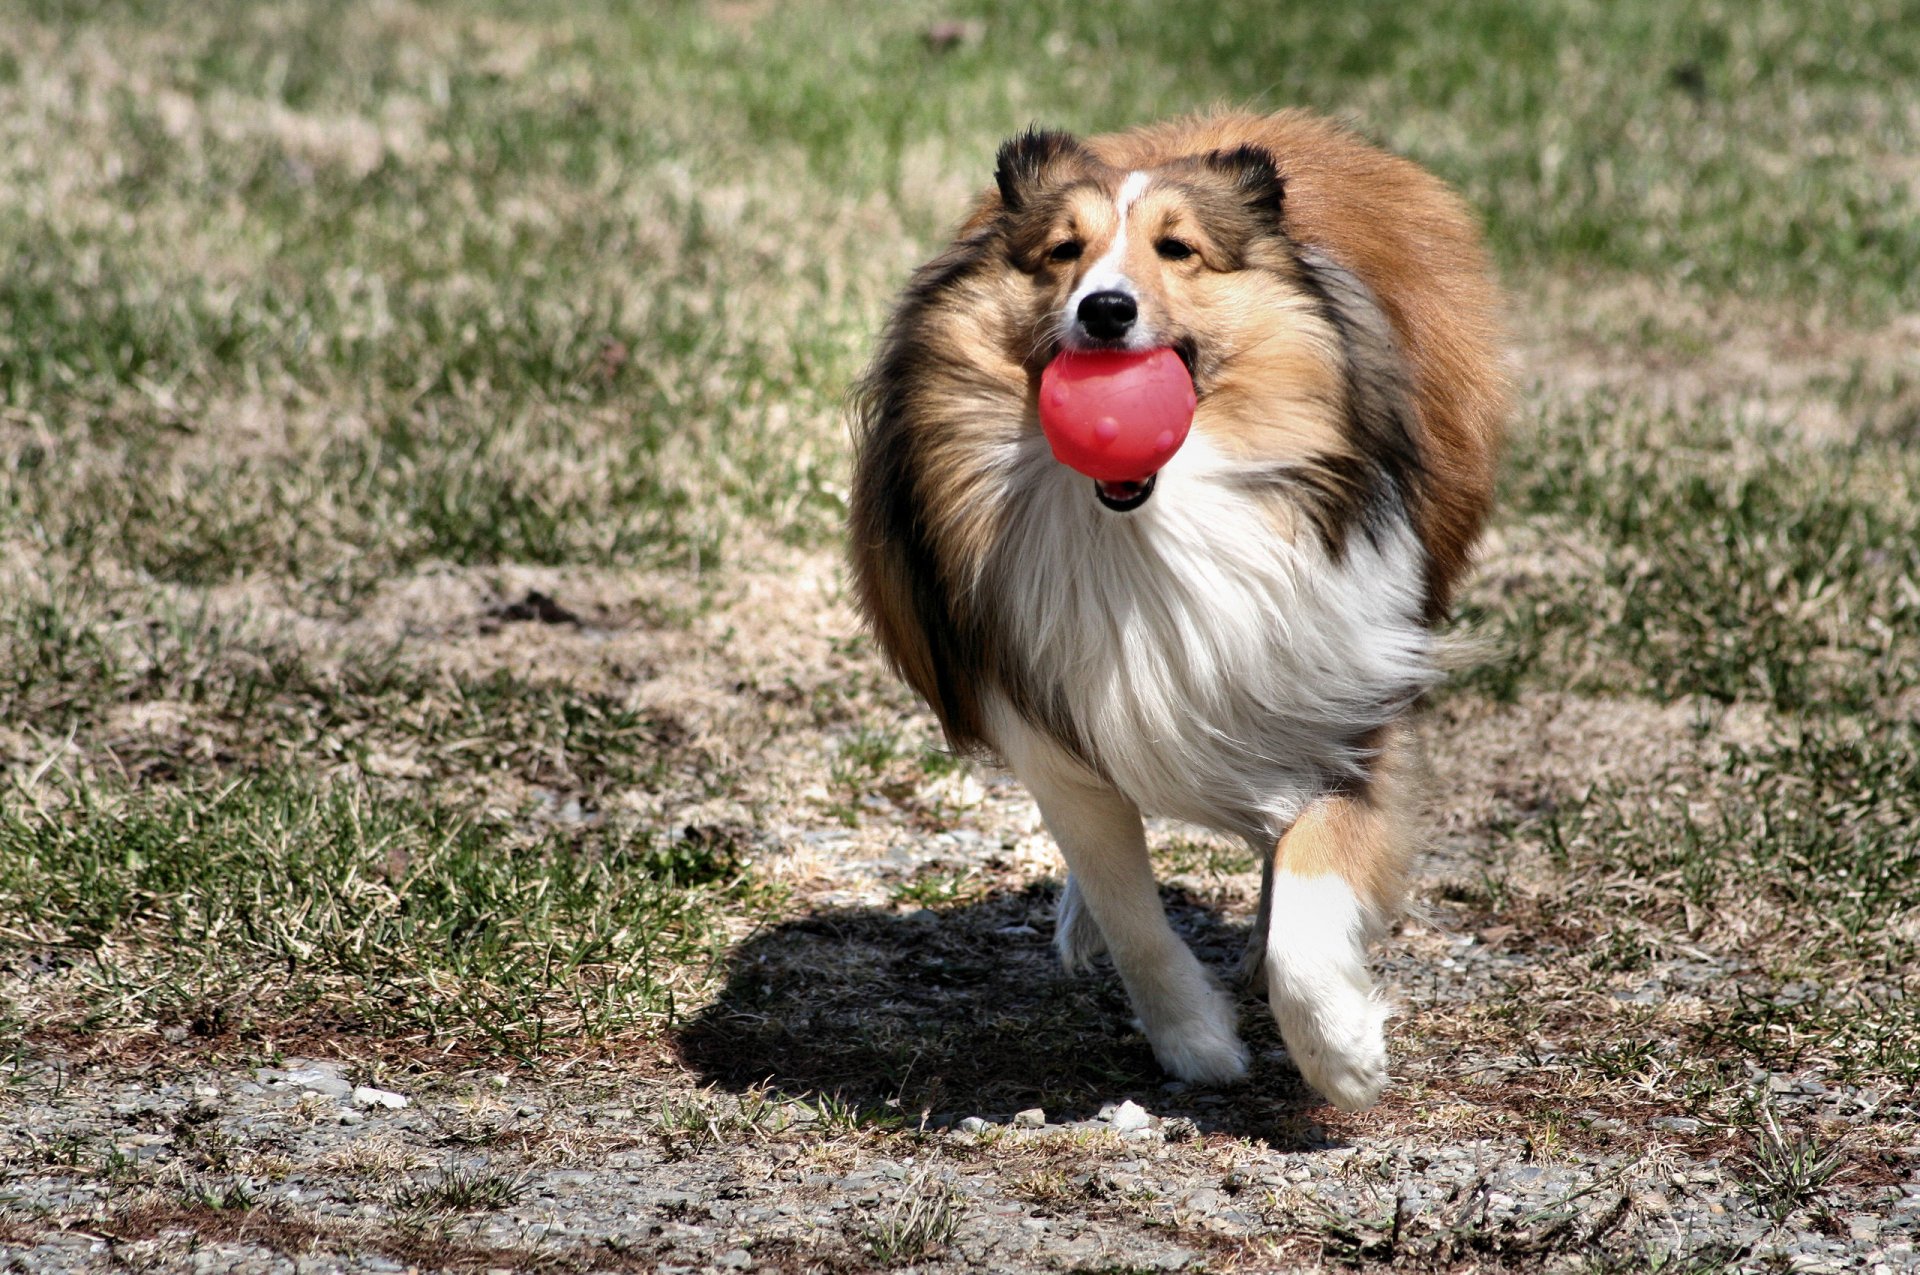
<point x="1334" y="879"/>
<point x="1188" y="1020"/>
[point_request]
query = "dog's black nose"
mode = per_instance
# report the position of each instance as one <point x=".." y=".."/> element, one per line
<point x="1107" y="315"/>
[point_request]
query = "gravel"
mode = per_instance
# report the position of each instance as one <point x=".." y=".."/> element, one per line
<point x="211" y="1168"/>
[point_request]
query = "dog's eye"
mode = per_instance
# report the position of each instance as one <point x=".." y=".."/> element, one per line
<point x="1069" y="250"/>
<point x="1174" y="249"/>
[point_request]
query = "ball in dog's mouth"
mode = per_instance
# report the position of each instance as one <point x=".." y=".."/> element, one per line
<point x="1124" y="497"/>
<point x="1117" y="416"/>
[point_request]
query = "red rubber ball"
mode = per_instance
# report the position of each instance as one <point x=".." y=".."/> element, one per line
<point x="1116" y="415"/>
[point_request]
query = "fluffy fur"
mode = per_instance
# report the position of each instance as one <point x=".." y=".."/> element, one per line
<point x="1237" y="644"/>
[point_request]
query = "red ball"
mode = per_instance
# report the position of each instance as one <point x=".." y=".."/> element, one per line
<point x="1116" y="415"/>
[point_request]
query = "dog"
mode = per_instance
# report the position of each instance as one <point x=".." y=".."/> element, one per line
<point x="1238" y="640"/>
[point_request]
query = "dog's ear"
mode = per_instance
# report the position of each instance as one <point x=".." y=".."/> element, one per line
<point x="1025" y="159"/>
<point x="1256" y="179"/>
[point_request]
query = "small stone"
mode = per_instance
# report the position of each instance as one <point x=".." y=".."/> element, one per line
<point x="1205" y="1200"/>
<point x="1129" y="1116"/>
<point x="1031" y="1118"/>
<point x="320" y="1080"/>
<point x="974" y="1124"/>
<point x="145" y="1146"/>
<point x="368" y="1096"/>
<point x="737" y="1259"/>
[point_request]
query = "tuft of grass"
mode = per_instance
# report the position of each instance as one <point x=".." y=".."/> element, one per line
<point x="1704" y="1259"/>
<point x="940" y="887"/>
<point x="1787" y="1172"/>
<point x="918" y="1225"/>
<point x="223" y="1197"/>
<point x="461" y="1190"/>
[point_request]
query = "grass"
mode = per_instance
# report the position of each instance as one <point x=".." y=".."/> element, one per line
<point x="422" y="465"/>
<point x="919" y="1224"/>
<point x="1786" y="1172"/>
<point x="1737" y="564"/>
<point x="271" y="904"/>
<point x="1790" y="862"/>
<point x="458" y="1190"/>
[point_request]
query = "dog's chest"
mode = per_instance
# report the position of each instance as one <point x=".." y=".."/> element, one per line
<point x="1213" y="669"/>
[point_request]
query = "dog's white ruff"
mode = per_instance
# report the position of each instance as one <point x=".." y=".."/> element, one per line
<point x="1217" y="670"/>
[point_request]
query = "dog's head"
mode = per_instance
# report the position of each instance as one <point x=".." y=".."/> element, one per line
<point x="1189" y="256"/>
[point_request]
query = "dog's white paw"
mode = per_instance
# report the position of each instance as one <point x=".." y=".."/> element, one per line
<point x="1321" y="994"/>
<point x="1202" y="1047"/>
<point x="1076" y="935"/>
<point x="1338" y="1041"/>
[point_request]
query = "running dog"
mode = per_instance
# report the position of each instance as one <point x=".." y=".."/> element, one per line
<point x="1236" y="641"/>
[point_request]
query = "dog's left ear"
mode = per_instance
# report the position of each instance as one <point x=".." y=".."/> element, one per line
<point x="1254" y="175"/>
<point x="1025" y="159"/>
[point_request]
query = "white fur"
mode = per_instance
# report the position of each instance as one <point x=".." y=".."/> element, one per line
<point x="1187" y="1019"/>
<point x="1319" y="988"/>
<point x="1109" y="273"/>
<point x="1216" y="670"/>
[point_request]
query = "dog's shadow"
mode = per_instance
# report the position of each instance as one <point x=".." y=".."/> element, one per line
<point x="932" y="1017"/>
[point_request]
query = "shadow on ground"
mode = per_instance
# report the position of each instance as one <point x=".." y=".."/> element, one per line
<point x="936" y="1016"/>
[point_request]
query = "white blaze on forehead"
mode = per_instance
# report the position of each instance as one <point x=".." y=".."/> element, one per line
<point x="1109" y="273"/>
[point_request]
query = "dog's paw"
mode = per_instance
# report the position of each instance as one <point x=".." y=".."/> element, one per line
<point x="1320" y="991"/>
<point x="1338" y="1041"/>
<point x="1076" y="935"/>
<point x="1203" y="1047"/>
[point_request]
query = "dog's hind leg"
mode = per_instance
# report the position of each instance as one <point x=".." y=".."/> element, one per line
<point x="1253" y="962"/>
<point x="1189" y="1021"/>
<point x="1336" y="878"/>
<point x="1076" y="935"/>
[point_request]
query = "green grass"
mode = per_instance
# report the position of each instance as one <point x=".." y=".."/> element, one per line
<point x="919" y="1225"/>
<point x="493" y="254"/>
<point x="461" y="1191"/>
<point x="1722" y="559"/>
<point x="276" y="906"/>
<point x="76" y="661"/>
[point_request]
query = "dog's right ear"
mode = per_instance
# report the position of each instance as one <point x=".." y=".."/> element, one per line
<point x="1024" y="159"/>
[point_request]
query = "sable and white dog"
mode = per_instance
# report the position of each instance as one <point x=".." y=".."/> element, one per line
<point x="1237" y="641"/>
